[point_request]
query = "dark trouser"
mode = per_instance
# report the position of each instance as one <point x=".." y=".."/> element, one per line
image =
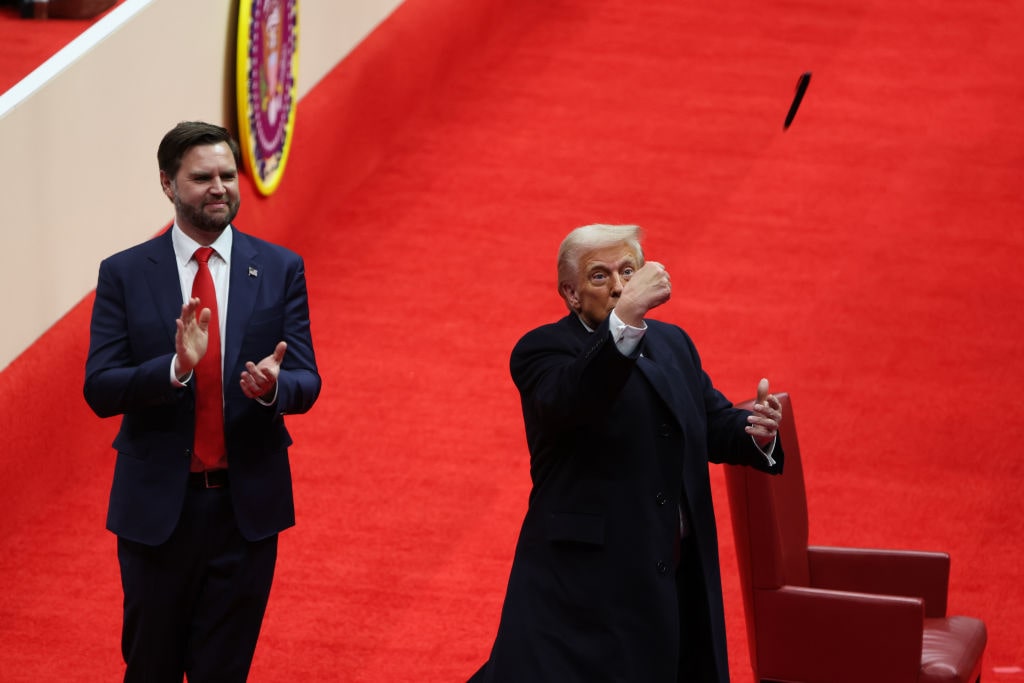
<point x="194" y="605"/>
<point x="696" y="652"/>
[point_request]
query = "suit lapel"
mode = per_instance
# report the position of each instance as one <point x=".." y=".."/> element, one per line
<point x="245" y="280"/>
<point x="162" y="280"/>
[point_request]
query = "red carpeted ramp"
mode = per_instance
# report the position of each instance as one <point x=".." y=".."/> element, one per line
<point x="867" y="260"/>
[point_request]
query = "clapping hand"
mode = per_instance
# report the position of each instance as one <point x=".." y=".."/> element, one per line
<point x="191" y="337"/>
<point x="258" y="380"/>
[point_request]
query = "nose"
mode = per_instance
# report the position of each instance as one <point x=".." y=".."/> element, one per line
<point x="618" y="282"/>
<point x="217" y="186"/>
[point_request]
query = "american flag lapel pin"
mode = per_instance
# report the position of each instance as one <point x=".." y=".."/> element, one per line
<point x="253" y="272"/>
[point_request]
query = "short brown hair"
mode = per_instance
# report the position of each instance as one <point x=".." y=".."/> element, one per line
<point x="189" y="134"/>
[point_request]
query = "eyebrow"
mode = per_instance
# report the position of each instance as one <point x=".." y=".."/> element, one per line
<point x="199" y="175"/>
<point x="601" y="265"/>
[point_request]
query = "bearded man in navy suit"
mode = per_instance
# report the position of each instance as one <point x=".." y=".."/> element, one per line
<point x="197" y="518"/>
<point x="616" y="574"/>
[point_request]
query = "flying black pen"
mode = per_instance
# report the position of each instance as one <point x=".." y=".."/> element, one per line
<point x="801" y="88"/>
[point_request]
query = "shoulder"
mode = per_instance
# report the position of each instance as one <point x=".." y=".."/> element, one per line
<point x="249" y="244"/>
<point x="667" y="331"/>
<point x="152" y="249"/>
<point x="671" y="336"/>
<point x="564" y="329"/>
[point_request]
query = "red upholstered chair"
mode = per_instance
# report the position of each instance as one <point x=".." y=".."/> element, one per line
<point x="839" y="615"/>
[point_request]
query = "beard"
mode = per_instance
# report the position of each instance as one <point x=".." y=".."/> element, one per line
<point x="204" y="221"/>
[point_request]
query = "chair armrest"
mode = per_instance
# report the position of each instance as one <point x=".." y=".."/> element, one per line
<point x="809" y="634"/>
<point x="911" y="573"/>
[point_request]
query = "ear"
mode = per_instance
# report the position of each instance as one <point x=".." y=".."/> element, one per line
<point x="165" y="183"/>
<point x="570" y="296"/>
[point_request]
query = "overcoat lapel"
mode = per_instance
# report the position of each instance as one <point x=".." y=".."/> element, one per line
<point x="653" y="355"/>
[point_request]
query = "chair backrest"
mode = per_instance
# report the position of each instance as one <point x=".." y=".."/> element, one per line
<point x="769" y="520"/>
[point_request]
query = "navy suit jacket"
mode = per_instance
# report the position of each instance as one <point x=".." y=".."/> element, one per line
<point x="617" y="446"/>
<point x="138" y="298"/>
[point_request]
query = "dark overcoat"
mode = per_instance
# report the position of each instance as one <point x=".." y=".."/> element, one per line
<point x="618" y="445"/>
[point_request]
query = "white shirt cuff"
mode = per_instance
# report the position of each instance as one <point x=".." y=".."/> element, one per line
<point x="175" y="382"/>
<point x="767" y="451"/>
<point x="626" y="337"/>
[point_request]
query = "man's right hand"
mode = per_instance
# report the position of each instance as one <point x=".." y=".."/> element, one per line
<point x="650" y="286"/>
<point x="191" y="337"/>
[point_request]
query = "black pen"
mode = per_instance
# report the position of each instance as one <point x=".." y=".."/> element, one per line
<point x="801" y="88"/>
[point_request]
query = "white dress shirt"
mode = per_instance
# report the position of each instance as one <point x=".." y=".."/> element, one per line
<point x="184" y="250"/>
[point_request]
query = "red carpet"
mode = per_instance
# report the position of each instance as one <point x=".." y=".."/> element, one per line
<point x="867" y="261"/>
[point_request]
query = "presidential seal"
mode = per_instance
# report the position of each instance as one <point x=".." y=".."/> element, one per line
<point x="267" y="67"/>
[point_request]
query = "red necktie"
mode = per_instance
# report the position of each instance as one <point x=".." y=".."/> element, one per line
<point x="209" y="442"/>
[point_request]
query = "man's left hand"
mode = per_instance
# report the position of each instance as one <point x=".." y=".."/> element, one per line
<point x="763" y="425"/>
<point x="259" y="379"/>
